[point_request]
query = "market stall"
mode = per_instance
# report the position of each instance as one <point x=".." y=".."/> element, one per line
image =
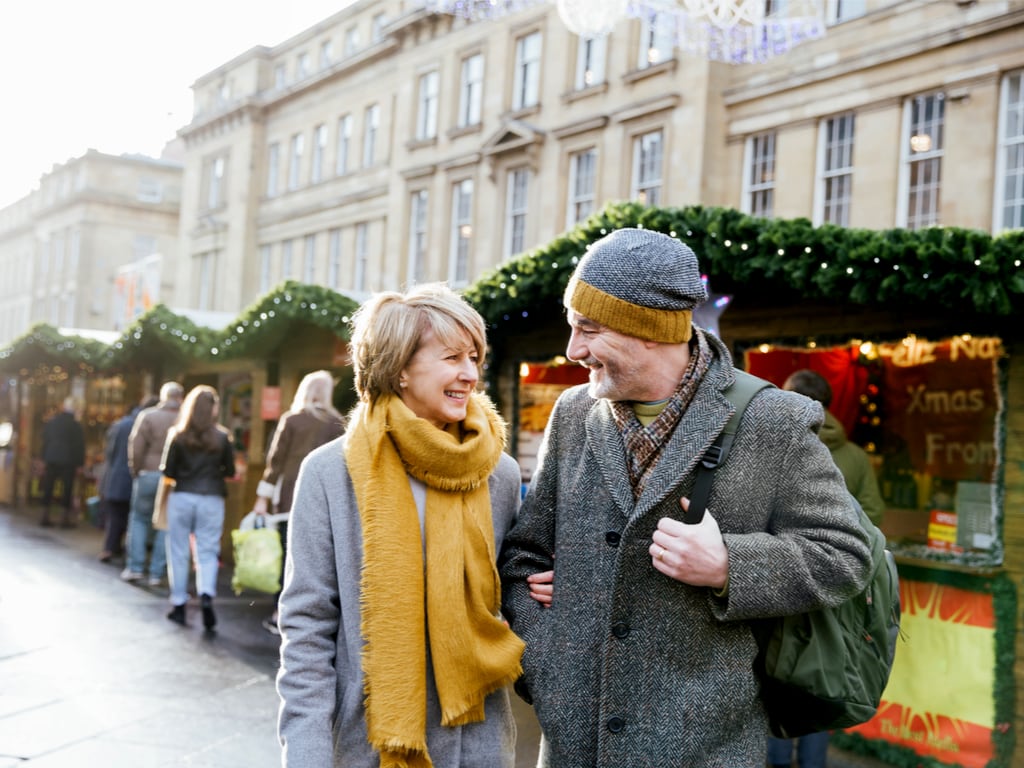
<point x="255" y="363"/>
<point x="911" y="330"/>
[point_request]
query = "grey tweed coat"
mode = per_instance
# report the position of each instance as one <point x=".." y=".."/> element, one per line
<point x="322" y="719"/>
<point x="629" y="667"/>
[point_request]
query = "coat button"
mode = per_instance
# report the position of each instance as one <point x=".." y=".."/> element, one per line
<point x="613" y="538"/>
<point x="620" y="629"/>
<point x="615" y="724"/>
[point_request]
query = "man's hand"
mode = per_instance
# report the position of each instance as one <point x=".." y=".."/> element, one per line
<point x="692" y="554"/>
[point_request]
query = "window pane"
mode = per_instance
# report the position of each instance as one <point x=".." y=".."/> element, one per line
<point x="1011" y="140"/>
<point x="462" y="232"/>
<point x="761" y="174"/>
<point x="471" y="90"/>
<point x="581" y="186"/>
<point x="838" y="171"/>
<point x="426" y="120"/>
<point x="418" y="236"/>
<point x="527" y="72"/>
<point x="647" y="153"/>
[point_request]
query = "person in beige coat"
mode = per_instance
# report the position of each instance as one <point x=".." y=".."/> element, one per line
<point x="311" y="421"/>
<point x="145" y="452"/>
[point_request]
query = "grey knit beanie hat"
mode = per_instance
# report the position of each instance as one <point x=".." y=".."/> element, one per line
<point x="640" y="283"/>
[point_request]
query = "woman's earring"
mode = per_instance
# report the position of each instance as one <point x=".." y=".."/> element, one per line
<point x="403" y="384"/>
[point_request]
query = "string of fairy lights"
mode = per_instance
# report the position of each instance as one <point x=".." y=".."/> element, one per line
<point x="44" y="355"/>
<point x="977" y="274"/>
<point x="961" y="270"/>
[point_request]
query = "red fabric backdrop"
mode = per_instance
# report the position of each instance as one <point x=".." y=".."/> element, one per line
<point x="836" y="364"/>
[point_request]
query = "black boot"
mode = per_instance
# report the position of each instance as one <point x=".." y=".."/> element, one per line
<point x="209" y="617"/>
<point x="177" y="614"/>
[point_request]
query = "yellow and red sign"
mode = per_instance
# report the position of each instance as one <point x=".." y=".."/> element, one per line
<point x="939" y="701"/>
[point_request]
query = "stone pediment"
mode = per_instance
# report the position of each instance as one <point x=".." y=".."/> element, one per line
<point x="511" y="136"/>
<point x="514" y="136"/>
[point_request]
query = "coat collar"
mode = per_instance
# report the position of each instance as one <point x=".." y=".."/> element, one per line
<point x="700" y="424"/>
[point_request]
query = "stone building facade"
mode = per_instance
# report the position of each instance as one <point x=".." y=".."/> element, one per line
<point x="388" y="145"/>
<point x="87" y="249"/>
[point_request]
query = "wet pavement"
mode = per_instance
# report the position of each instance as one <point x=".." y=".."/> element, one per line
<point x="92" y="674"/>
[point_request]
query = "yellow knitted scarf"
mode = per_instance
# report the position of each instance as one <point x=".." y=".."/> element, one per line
<point x="473" y="651"/>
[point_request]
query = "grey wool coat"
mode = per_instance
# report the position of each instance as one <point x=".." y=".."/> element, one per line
<point x="629" y="667"/>
<point x="322" y="718"/>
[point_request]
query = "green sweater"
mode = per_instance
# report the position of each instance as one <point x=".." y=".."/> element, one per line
<point x="854" y="463"/>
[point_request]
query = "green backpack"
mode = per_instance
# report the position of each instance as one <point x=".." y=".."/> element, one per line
<point x="824" y="669"/>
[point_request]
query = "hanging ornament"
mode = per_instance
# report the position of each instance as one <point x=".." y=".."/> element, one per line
<point x="726" y="14"/>
<point x="592" y="18"/>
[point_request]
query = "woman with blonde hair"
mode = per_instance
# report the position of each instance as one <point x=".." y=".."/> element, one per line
<point x="393" y="649"/>
<point x="311" y="421"/>
<point x="198" y="456"/>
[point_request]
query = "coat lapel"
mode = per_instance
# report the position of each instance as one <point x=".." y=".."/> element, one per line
<point x="602" y="431"/>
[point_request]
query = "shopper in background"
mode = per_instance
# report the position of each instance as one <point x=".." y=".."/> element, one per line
<point x="145" y="450"/>
<point x="198" y="457"/>
<point x="855" y="465"/>
<point x="311" y="421"/>
<point x="393" y="649"/>
<point x="116" y="487"/>
<point x="63" y="455"/>
<point x="852" y="460"/>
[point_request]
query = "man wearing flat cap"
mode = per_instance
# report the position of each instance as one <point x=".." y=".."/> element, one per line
<point x="644" y="655"/>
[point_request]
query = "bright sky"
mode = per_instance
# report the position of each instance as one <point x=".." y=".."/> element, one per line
<point x="115" y="75"/>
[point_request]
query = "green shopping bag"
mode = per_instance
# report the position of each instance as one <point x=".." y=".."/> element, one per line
<point x="258" y="558"/>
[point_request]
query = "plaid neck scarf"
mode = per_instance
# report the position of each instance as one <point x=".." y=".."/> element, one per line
<point x="644" y="444"/>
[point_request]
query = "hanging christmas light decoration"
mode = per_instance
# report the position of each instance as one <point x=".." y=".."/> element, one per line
<point x="591" y="19"/>
<point x="726" y="13"/>
<point x="733" y="31"/>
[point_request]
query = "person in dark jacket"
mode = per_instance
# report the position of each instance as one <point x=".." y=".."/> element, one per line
<point x="198" y="456"/>
<point x="116" y="486"/>
<point x="645" y="654"/>
<point x="311" y="421"/>
<point x="64" y="455"/>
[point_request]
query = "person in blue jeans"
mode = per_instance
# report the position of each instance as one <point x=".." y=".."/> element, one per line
<point x="116" y="486"/>
<point x="811" y="751"/>
<point x="199" y="457"/>
<point x="145" y="451"/>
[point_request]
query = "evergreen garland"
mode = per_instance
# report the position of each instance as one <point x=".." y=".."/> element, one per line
<point x="951" y="268"/>
<point x="263" y="324"/>
<point x="155" y="338"/>
<point x="45" y="346"/>
<point x="161" y="337"/>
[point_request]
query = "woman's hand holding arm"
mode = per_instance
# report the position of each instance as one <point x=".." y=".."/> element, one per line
<point x="542" y="587"/>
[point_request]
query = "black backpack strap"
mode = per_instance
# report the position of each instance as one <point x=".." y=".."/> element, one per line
<point x="739" y="393"/>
